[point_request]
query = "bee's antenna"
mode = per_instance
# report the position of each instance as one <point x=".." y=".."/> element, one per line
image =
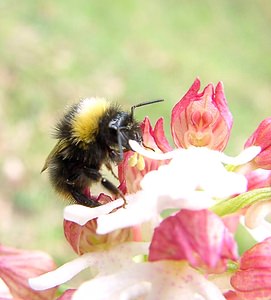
<point x="143" y="104"/>
<point x="119" y="144"/>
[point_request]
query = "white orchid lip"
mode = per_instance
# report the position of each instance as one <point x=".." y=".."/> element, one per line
<point x="120" y="255"/>
<point x="151" y="154"/>
<point x="82" y="214"/>
<point x="60" y="275"/>
<point x="245" y="156"/>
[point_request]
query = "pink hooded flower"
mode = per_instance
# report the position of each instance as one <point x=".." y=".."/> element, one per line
<point x="198" y="119"/>
<point x="253" y="279"/>
<point x="202" y="119"/>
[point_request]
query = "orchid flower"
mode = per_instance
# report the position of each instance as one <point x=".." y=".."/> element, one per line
<point x="175" y="237"/>
<point x="202" y="119"/>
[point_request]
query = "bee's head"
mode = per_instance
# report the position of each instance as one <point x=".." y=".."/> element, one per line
<point x="124" y="128"/>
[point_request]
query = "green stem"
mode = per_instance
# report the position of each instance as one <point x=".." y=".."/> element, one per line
<point x="232" y="205"/>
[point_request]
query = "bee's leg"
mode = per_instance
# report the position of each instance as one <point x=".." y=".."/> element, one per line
<point x="109" y="168"/>
<point x="76" y="190"/>
<point x="113" y="189"/>
<point x="96" y="175"/>
<point x="82" y="199"/>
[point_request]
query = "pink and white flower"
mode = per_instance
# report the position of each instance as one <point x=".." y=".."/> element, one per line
<point x="170" y="241"/>
<point x="202" y="119"/>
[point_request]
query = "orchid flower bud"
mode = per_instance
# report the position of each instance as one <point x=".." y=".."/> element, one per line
<point x="202" y="119"/>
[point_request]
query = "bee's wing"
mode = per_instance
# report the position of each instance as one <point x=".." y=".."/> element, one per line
<point x="61" y="145"/>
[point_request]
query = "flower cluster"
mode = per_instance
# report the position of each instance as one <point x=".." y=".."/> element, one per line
<point x="175" y="237"/>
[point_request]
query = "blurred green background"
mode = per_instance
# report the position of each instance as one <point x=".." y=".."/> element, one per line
<point x="53" y="53"/>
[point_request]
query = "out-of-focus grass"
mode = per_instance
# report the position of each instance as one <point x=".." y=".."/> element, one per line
<point x="55" y="52"/>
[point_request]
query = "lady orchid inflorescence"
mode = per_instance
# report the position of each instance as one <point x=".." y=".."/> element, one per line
<point x="175" y="237"/>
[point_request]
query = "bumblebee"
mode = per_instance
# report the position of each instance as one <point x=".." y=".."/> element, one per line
<point x="92" y="133"/>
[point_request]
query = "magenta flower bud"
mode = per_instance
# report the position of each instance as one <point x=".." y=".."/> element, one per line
<point x="202" y="119"/>
<point x="262" y="137"/>
<point x="253" y="279"/>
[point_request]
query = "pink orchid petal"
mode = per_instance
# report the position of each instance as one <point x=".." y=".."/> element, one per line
<point x="160" y="138"/>
<point x="262" y="137"/>
<point x="252" y="284"/>
<point x="17" y="266"/>
<point x="231" y="222"/>
<point x="197" y="236"/>
<point x="253" y="279"/>
<point x="222" y="105"/>
<point x="257" y="257"/>
<point x="179" y="123"/>
<point x="231" y="295"/>
<point x="85" y="239"/>
<point x="147" y="132"/>
<point x="258" y="178"/>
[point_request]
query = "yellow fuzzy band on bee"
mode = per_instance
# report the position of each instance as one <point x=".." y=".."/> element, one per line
<point x="86" y="120"/>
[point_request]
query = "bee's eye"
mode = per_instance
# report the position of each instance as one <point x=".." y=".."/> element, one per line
<point x="137" y="137"/>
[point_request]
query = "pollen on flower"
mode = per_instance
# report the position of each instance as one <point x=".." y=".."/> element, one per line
<point x="133" y="160"/>
<point x="137" y="160"/>
<point x="140" y="163"/>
